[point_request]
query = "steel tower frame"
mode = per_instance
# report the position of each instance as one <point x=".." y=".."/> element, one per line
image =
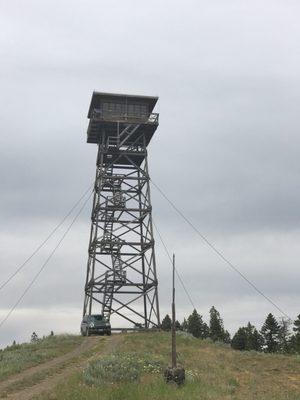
<point x="121" y="269"/>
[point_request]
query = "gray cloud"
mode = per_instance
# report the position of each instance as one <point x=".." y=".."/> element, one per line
<point x="226" y="152"/>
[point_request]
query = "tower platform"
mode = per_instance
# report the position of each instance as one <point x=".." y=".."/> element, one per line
<point x="111" y="114"/>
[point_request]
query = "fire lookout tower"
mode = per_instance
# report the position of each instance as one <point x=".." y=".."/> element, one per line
<point x="121" y="275"/>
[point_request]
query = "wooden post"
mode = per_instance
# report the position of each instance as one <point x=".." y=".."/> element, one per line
<point x="174" y="373"/>
<point x="174" y="362"/>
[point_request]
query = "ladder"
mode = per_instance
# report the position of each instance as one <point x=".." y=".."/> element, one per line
<point x="110" y="243"/>
<point x="107" y="297"/>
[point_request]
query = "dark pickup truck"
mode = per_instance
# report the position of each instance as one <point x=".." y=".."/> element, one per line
<point x="95" y="324"/>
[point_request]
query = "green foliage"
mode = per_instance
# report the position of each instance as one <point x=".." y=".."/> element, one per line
<point x="295" y="339"/>
<point x="226" y="337"/>
<point x="122" y="367"/>
<point x="111" y="369"/>
<point x="247" y="338"/>
<point x="34" y="337"/>
<point x="178" y="326"/>
<point x="275" y="337"/>
<point x="295" y="344"/>
<point x="270" y="333"/>
<point x="166" y="323"/>
<point x="255" y="340"/>
<point x="184" y="325"/>
<point x="296" y="327"/>
<point x="216" y="327"/>
<point x="185" y="335"/>
<point x="196" y="326"/>
<point x="239" y="340"/>
<point x="284" y="336"/>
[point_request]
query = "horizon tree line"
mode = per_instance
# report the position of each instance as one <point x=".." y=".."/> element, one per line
<point x="275" y="336"/>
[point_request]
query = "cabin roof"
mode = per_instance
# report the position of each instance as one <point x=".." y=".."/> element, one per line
<point x="98" y="97"/>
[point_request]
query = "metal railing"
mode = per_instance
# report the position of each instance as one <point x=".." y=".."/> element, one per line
<point x="114" y="142"/>
<point x="106" y="116"/>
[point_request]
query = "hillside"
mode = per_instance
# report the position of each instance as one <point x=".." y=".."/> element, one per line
<point x="128" y="366"/>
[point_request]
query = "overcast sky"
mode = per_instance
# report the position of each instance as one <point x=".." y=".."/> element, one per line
<point x="226" y="152"/>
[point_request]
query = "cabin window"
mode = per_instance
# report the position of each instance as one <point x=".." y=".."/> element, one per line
<point x="113" y="108"/>
<point x="135" y="110"/>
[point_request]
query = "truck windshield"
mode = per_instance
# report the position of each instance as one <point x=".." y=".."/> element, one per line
<point x="97" y="317"/>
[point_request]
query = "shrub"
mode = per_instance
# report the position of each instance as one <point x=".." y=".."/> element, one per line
<point x="185" y="335"/>
<point x="119" y="368"/>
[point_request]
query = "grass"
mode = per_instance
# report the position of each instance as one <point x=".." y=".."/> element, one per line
<point x="39" y="376"/>
<point x="17" y="358"/>
<point x="214" y="372"/>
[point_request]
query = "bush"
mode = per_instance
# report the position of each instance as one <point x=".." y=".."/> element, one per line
<point x="119" y="368"/>
<point x="185" y="335"/>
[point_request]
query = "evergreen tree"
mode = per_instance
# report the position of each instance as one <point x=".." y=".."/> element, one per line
<point x="240" y="340"/>
<point x="34" y="337"/>
<point x="247" y="338"/>
<point x="177" y="326"/>
<point x="216" y="328"/>
<point x="166" y="323"/>
<point x="226" y="337"/>
<point x="284" y="335"/>
<point x="255" y="340"/>
<point x="205" y="330"/>
<point x="196" y="326"/>
<point x="184" y="325"/>
<point x="295" y="339"/>
<point x="270" y="332"/>
<point x="296" y="327"/>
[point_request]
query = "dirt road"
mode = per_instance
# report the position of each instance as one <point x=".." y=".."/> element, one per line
<point x="32" y="382"/>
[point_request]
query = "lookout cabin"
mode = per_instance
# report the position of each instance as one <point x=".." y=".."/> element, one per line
<point x="111" y="113"/>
